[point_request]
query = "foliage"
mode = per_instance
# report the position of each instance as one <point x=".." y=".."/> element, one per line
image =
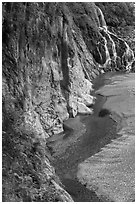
<point x="118" y="13"/>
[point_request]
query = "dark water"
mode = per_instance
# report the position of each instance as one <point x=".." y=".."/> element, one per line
<point x="92" y="133"/>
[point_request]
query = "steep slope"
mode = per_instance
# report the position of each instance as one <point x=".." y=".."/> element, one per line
<point x="51" y="53"/>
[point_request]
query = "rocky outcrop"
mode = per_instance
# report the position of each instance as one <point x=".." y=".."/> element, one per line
<point x="53" y="70"/>
<point x="51" y="54"/>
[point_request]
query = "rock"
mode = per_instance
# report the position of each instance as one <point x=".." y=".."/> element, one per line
<point x="55" y="71"/>
<point x="79" y="107"/>
<point x="88" y="86"/>
<point x="88" y="100"/>
<point x="61" y="109"/>
<point x="73" y="105"/>
<point x="49" y="119"/>
<point x="83" y="109"/>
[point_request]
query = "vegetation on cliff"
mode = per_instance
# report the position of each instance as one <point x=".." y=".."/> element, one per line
<point x="120" y="17"/>
<point x="118" y="13"/>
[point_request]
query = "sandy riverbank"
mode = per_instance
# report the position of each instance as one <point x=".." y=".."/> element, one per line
<point x="76" y="151"/>
<point x="111" y="172"/>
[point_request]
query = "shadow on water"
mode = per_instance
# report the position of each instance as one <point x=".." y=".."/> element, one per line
<point x="80" y="193"/>
<point x="104" y="112"/>
<point x="100" y="129"/>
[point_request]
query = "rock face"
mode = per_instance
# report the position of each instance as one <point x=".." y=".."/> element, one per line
<point x="51" y="54"/>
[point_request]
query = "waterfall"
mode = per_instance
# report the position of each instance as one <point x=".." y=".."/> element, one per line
<point x="107" y="53"/>
<point x="110" y="49"/>
<point x="128" y="55"/>
<point x="102" y="22"/>
<point x="117" y="51"/>
<point x="113" y="45"/>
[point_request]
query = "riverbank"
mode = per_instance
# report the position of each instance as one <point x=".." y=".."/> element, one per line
<point x="84" y="137"/>
<point x="111" y="172"/>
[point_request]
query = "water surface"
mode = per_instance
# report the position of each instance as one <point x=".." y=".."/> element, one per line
<point x="91" y="143"/>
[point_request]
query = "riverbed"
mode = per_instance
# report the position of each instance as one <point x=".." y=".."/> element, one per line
<point x="94" y="156"/>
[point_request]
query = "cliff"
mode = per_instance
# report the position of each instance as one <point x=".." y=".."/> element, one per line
<point x="51" y="53"/>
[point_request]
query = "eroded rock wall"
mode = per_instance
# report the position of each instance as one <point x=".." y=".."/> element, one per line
<point x="51" y="53"/>
<point x="53" y="58"/>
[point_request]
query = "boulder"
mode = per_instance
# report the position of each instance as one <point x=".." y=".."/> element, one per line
<point x="83" y="109"/>
<point x="87" y="99"/>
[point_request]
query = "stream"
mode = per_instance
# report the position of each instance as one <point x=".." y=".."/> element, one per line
<point x="83" y="138"/>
